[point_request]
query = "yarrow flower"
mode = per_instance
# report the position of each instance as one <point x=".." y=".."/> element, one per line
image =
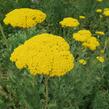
<point x="83" y="61"/>
<point x="100" y="59"/>
<point x="82" y="17"/>
<point x="99" y="10"/>
<point x="99" y="0"/>
<point x="69" y="22"/>
<point x="82" y="35"/>
<point x="102" y="51"/>
<point x="106" y="12"/>
<point x="88" y="41"/>
<point x="45" y="54"/>
<point x="100" y="33"/>
<point x="92" y="43"/>
<point x="24" y="17"/>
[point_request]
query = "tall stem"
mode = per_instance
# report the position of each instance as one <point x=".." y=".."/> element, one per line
<point x="106" y="43"/>
<point x="46" y="92"/>
<point x="3" y="35"/>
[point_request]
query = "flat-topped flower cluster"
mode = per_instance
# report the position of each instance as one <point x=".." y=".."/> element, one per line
<point x="24" y="17"/>
<point x="45" y="54"/>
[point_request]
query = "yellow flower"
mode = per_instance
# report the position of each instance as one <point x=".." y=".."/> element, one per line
<point x="106" y="12"/>
<point x="82" y="61"/>
<point x="24" y="17"/>
<point x="82" y="35"/>
<point x="69" y="22"/>
<point x="100" y="33"/>
<point x="99" y="10"/>
<point x="100" y="59"/>
<point x="102" y="51"/>
<point x="82" y="17"/>
<point x="45" y="54"/>
<point x="92" y="43"/>
<point x="99" y="0"/>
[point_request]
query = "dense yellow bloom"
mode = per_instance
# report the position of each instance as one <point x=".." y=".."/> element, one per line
<point x="102" y="51"/>
<point x="100" y="33"/>
<point x="82" y="35"/>
<point x="83" y="61"/>
<point x="99" y="10"/>
<point x="99" y="0"/>
<point x="69" y="22"/>
<point x="92" y="43"/>
<point x="106" y="12"/>
<point x="24" y="17"/>
<point x="88" y="41"/>
<point x="100" y="59"/>
<point x="45" y="54"/>
<point x="82" y="17"/>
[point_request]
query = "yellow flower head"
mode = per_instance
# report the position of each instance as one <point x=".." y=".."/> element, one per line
<point x="99" y="10"/>
<point x="45" y="54"/>
<point x="92" y="43"/>
<point x="69" y="22"/>
<point x="100" y="59"/>
<point x="102" y="51"/>
<point x="83" y="61"/>
<point x="99" y="0"/>
<point x="82" y="35"/>
<point x="100" y="33"/>
<point x="82" y="17"/>
<point x="24" y="17"/>
<point x="106" y="12"/>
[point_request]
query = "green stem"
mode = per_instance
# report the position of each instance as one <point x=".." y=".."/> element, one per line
<point x="26" y="33"/>
<point x="46" y="93"/>
<point x="106" y="44"/>
<point x="3" y="36"/>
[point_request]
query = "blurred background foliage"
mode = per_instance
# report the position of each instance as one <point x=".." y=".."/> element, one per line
<point x="86" y="87"/>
